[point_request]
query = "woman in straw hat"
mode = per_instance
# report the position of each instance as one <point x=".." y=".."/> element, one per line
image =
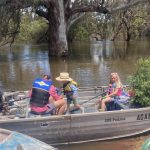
<point x="70" y="89"/>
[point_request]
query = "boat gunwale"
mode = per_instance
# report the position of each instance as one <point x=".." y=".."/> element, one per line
<point x="8" y="137"/>
<point x="69" y="116"/>
<point x="11" y="133"/>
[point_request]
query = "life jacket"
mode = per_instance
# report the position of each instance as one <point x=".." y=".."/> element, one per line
<point x="40" y="92"/>
<point x="119" y="93"/>
<point x="66" y="86"/>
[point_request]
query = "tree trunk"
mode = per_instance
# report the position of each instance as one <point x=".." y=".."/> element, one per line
<point x="58" y="45"/>
<point x="128" y="38"/>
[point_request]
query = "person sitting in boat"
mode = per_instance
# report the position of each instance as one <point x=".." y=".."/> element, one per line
<point x="115" y="91"/>
<point x="70" y="90"/>
<point x="44" y="98"/>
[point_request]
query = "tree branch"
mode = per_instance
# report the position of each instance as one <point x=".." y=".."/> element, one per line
<point x="128" y="5"/>
<point x="73" y="19"/>
<point x="89" y="8"/>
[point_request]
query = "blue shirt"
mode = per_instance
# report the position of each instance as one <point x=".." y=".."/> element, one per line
<point x="74" y="89"/>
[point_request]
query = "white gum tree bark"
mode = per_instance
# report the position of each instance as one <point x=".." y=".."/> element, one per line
<point x="62" y="29"/>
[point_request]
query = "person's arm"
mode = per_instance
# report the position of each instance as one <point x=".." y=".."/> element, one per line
<point x="30" y="93"/>
<point x="114" y="90"/>
<point x="114" y="93"/>
<point x="75" y="90"/>
<point x="54" y="94"/>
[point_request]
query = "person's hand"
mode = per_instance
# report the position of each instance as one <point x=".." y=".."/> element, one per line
<point x="51" y="99"/>
<point x="106" y="96"/>
<point x="100" y="99"/>
<point x="62" y="96"/>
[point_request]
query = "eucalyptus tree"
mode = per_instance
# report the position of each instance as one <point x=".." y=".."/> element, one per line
<point x="61" y="14"/>
<point x="130" y="23"/>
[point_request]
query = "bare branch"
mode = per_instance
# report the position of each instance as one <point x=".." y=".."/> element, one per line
<point x="67" y="3"/>
<point x="73" y="19"/>
<point x="127" y="5"/>
<point x="90" y="8"/>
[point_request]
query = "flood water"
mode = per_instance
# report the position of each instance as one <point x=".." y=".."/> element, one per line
<point x="89" y="64"/>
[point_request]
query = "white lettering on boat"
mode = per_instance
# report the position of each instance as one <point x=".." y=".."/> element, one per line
<point x="143" y="116"/>
<point x="115" y="119"/>
<point x="44" y="124"/>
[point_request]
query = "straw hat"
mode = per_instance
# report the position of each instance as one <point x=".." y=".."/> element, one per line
<point x="64" y="76"/>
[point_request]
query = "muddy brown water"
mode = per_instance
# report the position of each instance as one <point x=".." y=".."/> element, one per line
<point x="89" y="64"/>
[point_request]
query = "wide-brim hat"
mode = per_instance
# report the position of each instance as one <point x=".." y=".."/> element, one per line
<point x="64" y="76"/>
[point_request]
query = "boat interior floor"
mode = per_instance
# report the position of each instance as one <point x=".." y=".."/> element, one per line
<point x="18" y="105"/>
<point x="88" y="108"/>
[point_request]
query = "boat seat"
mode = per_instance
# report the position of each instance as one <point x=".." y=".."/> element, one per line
<point x="33" y="115"/>
<point x="87" y="109"/>
<point x="77" y="110"/>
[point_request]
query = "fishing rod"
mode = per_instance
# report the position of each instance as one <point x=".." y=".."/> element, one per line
<point x="101" y="94"/>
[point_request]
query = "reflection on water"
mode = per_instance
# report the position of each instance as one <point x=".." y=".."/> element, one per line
<point x="20" y="66"/>
<point x="89" y="64"/>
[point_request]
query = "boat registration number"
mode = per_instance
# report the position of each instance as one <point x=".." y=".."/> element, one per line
<point x="114" y="119"/>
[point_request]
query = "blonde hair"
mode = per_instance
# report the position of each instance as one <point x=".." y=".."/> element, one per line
<point x="117" y="79"/>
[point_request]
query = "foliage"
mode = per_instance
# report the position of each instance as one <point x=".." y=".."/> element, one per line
<point x="130" y="23"/>
<point x="79" y="33"/>
<point x="32" y="29"/>
<point x="140" y="80"/>
<point x="83" y="28"/>
<point x="9" y="24"/>
<point x="138" y="21"/>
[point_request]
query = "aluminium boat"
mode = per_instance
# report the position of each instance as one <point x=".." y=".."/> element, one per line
<point x="84" y="125"/>
<point x="11" y="140"/>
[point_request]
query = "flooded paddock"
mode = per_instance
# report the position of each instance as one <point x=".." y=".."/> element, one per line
<point x="89" y="64"/>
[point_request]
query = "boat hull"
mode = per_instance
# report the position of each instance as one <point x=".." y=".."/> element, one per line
<point x="10" y="140"/>
<point x="77" y="128"/>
